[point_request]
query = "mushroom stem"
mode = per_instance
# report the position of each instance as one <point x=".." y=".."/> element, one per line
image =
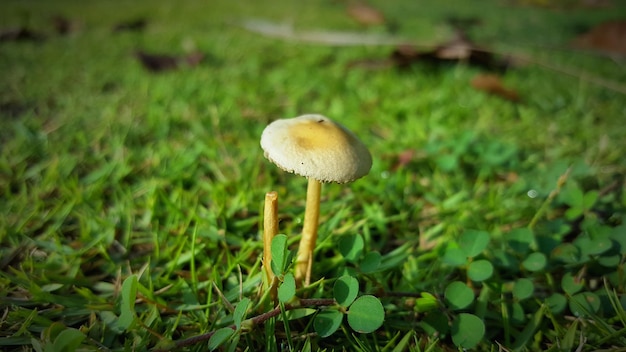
<point x="309" y="232"/>
<point x="270" y="229"/>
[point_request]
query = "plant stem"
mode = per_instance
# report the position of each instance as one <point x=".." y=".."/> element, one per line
<point x="544" y="206"/>
<point x="270" y="229"/>
<point x="304" y="261"/>
<point x="312" y="302"/>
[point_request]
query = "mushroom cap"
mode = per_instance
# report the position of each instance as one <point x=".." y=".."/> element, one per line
<point x="316" y="147"/>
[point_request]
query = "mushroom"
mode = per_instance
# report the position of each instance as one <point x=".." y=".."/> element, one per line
<point x="321" y="150"/>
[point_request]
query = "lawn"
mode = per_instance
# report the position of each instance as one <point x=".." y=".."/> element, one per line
<point x="132" y="192"/>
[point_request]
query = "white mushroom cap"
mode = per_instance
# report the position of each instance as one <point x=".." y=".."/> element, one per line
<point x="316" y="147"/>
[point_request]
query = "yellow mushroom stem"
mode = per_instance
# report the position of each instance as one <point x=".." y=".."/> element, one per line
<point x="304" y="261"/>
<point x="270" y="229"/>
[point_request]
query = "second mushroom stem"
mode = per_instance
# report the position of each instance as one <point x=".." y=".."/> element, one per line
<point x="270" y="229"/>
<point x="304" y="261"/>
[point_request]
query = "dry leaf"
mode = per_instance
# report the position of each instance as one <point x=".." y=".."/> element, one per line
<point x="365" y="14"/>
<point x="160" y="62"/>
<point x="459" y="48"/>
<point x="157" y="62"/>
<point x="18" y="34"/>
<point x="11" y="109"/>
<point x="492" y="84"/>
<point x="608" y="37"/>
<point x="131" y="26"/>
<point x="405" y="55"/>
<point x="403" y="159"/>
<point x="63" y="25"/>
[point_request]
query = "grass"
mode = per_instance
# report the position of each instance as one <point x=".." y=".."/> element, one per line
<point x="131" y="202"/>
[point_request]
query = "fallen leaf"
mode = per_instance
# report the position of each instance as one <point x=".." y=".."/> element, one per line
<point x="459" y="48"/>
<point x="365" y="14"/>
<point x="135" y="25"/>
<point x="608" y="37"/>
<point x="18" y="34"/>
<point x="161" y="62"/>
<point x="510" y="177"/>
<point x="405" y="55"/>
<point x="157" y="62"/>
<point x="492" y="84"/>
<point x="62" y="25"/>
<point x="12" y="109"/>
<point x="403" y="159"/>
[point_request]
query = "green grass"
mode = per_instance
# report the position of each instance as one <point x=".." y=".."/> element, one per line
<point x="109" y="173"/>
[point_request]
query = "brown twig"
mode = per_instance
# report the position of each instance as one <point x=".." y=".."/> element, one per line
<point x="259" y="319"/>
<point x="277" y="30"/>
<point x="573" y="72"/>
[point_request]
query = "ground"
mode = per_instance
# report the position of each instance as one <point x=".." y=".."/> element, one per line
<point x="132" y="180"/>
